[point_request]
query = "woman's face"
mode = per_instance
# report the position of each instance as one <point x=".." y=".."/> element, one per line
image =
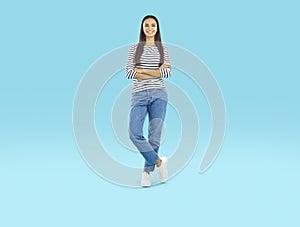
<point x="150" y="27"/>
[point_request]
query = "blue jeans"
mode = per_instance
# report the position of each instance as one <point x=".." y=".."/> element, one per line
<point x="154" y="103"/>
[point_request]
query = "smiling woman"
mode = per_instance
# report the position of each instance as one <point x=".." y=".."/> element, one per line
<point x="148" y="62"/>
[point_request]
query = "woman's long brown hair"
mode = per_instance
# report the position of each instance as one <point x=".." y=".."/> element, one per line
<point x="142" y="41"/>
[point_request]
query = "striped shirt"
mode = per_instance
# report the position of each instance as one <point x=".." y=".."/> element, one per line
<point x="150" y="59"/>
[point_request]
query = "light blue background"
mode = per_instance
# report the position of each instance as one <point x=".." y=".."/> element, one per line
<point x="252" y="48"/>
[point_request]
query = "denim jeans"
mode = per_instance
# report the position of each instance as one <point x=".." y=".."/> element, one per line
<point x="151" y="102"/>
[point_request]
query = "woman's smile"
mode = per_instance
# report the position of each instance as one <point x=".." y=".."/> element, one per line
<point x="149" y="32"/>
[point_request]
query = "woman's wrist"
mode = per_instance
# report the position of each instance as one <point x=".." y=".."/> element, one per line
<point x="138" y="70"/>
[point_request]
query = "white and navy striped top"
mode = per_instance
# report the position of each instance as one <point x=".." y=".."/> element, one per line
<point x="150" y="59"/>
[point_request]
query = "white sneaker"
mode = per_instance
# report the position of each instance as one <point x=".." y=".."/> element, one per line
<point x="162" y="170"/>
<point x="145" y="181"/>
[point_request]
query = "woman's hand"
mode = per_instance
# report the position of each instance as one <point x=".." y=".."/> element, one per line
<point x="164" y="65"/>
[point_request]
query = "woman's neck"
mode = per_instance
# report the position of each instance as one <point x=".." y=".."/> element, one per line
<point x="150" y="41"/>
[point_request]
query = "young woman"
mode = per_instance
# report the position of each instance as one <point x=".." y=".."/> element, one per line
<point x="148" y="62"/>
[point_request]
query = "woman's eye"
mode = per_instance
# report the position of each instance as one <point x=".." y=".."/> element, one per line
<point x="153" y="25"/>
<point x="146" y="25"/>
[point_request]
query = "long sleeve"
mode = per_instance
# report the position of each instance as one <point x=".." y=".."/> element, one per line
<point x="166" y="72"/>
<point x="130" y="73"/>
